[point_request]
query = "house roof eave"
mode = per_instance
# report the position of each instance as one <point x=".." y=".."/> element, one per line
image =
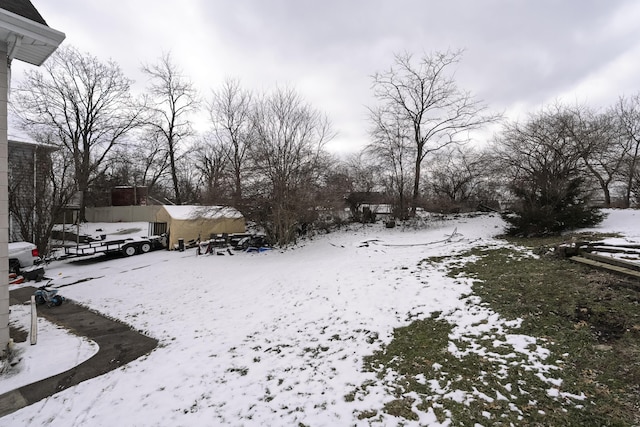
<point x="28" y="40"/>
<point x="33" y="145"/>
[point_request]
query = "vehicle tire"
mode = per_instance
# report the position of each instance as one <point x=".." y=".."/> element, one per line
<point x="145" y="247"/>
<point x="56" y="300"/>
<point x="39" y="299"/>
<point x="129" y="250"/>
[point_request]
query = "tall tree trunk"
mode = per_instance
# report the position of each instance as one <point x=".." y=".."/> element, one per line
<point x="416" y="180"/>
<point x="632" y="168"/>
<point x="174" y="173"/>
<point x="237" y="195"/>
<point x="607" y="196"/>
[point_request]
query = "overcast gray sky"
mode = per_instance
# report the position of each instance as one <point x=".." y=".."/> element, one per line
<point x="519" y="54"/>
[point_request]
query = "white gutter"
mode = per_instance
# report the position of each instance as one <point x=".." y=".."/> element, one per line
<point x="29" y="36"/>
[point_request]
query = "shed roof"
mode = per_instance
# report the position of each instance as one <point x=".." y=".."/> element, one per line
<point x="196" y="212"/>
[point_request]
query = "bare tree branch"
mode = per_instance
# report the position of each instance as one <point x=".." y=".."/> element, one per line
<point x="424" y="98"/>
<point x="288" y="152"/>
<point x="80" y="103"/>
<point x="172" y="99"/>
<point x="230" y="112"/>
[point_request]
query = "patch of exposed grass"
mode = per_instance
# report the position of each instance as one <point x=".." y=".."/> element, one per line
<point x="401" y="407"/>
<point x="466" y="390"/>
<point x="592" y="319"/>
<point x="315" y="351"/>
<point x="589" y="321"/>
<point x="18" y="334"/>
<point x="241" y="371"/>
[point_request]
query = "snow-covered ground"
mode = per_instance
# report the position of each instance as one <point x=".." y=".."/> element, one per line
<point x="274" y="338"/>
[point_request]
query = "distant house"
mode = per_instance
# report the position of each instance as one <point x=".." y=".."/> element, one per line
<point x="29" y="165"/>
<point x="368" y="205"/>
<point x="129" y="196"/>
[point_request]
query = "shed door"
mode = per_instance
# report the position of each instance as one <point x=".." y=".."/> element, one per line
<point x="157" y="228"/>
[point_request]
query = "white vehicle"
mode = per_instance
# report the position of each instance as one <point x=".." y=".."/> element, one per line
<point x="22" y="255"/>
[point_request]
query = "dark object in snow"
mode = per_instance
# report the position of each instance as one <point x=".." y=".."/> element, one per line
<point x="259" y="250"/>
<point x="252" y="243"/>
<point x="35" y="273"/>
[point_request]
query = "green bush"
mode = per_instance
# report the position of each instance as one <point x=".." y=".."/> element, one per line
<point x="542" y="213"/>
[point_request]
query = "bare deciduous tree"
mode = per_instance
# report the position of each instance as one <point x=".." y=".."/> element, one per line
<point x="364" y="173"/>
<point x="628" y="117"/>
<point x="336" y="184"/>
<point x="602" y="147"/>
<point x="425" y="99"/>
<point x="151" y="157"/>
<point x="365" y="177"/>
<point x="80" y="103"/>
<point x="188" y="178"/>
<point x="635" y="188"/>
<point x="211" y="163"/>
<point x="173" y="98"/>
<point x="288" y="157"/>
<point x="36" y="211"/>
<point x="393" y="149"/>
<point x="457" y="177"/>
<point x="230" y="113"/>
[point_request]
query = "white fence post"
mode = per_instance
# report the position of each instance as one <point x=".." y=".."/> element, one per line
<point x="34" y="321"/>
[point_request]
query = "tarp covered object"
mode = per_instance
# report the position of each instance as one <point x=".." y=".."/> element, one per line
<point x="191" y="222"/>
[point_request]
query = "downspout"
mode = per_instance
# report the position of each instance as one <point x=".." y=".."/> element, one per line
<point x="4" y="208"/>
<point x="35" y="187"/>
<point x="12" y="49"/>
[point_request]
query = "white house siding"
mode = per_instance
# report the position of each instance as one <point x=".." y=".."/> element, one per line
<point x="4" y="201"/>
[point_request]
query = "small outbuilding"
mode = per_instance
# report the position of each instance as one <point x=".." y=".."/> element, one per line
<point x="193" y="222"/>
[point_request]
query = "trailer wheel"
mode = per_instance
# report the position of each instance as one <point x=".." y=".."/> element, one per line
<point x="145" y="247"/>
<point x="129" y="250"/>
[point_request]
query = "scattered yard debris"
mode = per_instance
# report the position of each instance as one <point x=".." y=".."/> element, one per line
<point x="620" y="258"/>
